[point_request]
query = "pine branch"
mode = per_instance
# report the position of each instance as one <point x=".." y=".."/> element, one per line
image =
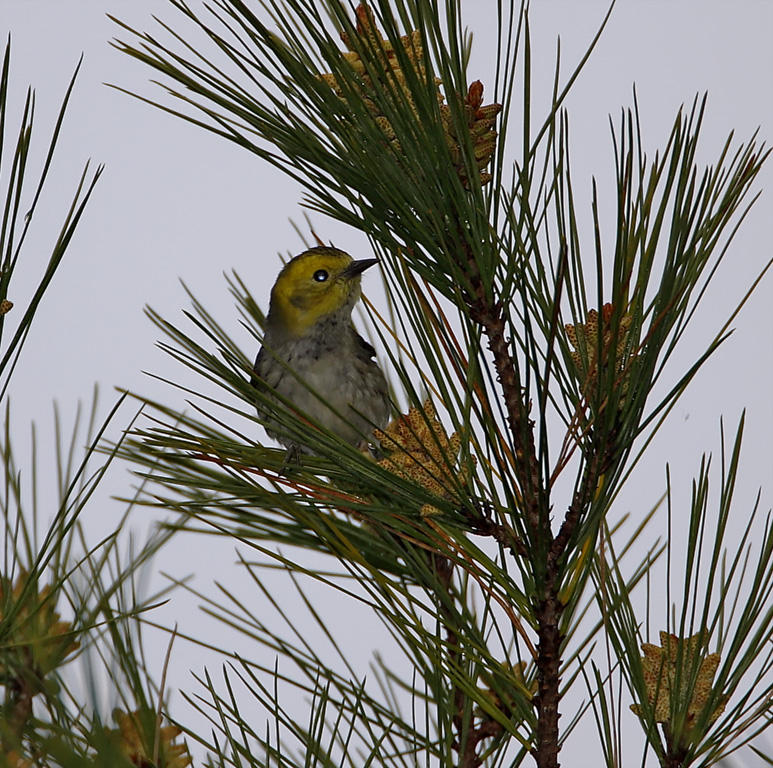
<point x="480" y="523"/>
<point x="19" y="710"/>
<point x="491" y="319"/>
<point x="548" y="614"/>
<point x="469" y="736"/>
<point x="367" y="132"/>
<point x="593" y="472"/>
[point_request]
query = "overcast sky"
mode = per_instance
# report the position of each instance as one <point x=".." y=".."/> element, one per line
<point x="176" y="202"/>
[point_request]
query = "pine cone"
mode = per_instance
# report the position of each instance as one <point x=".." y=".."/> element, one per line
<point x="419" y="449"/>
<point x="659" y="666"/>
<point x="381" y="64"/>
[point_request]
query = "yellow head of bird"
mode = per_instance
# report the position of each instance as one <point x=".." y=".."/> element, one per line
<point x="313" y="285"/>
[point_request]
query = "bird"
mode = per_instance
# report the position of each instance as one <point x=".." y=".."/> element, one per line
<point x="312" y="356"/>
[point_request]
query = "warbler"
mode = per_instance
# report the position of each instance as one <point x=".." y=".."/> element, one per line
<point x="312" y="355"/>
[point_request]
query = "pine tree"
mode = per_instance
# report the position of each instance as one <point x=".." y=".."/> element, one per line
<point x="524" y="376"/>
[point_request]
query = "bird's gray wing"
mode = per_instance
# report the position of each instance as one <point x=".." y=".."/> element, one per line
<point x="263" y="373"/>
<point x="366" y="349"/>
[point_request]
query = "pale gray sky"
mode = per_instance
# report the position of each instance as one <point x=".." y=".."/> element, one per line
<point x="176" y="202"/>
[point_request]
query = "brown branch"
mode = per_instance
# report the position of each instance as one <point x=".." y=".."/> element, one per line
<point x="580" y="501"/>
<point x="480" y="523"/>
<point x="545" y="751"/>
<point x="492" y="321"/>
<point x="596" y="466"/>
<point x="436" y="310"/>
<point x="21" y="694"/>
<point x="443" y="568"/>
<point x="467" y="739"/>
<point x="675" y="760"/>
<point x="676" y="755"/>
<point x="470" y="757"/>
<point x="491" y="318"/>
<point x="484" y="526"/>
<point x="550" y="608"/>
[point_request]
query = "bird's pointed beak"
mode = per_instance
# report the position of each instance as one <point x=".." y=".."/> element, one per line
<point x="358" y="267"/>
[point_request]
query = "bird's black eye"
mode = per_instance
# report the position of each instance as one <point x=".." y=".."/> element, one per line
<point x="320" y="275"/>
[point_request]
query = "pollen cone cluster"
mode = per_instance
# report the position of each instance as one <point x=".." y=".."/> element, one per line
<point x="677" y="658"/>
<point x="38" y="639"/>
<point x="418" y="448"/>
<point x="129" y="735"/>
<point x="373" y="58"/>
<point x="480" y="120"/>
<point x="584" y="337"/>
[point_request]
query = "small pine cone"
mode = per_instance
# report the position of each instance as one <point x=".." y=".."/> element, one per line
<point x="584" y="337"/>
<point x="131" y="738"/>
<point x="480" y="122"/>
<point x="381" y="64"/>
<point x="38" y="639"/>
<point x="419" y="449"/>
<point x="668" y="682"/>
